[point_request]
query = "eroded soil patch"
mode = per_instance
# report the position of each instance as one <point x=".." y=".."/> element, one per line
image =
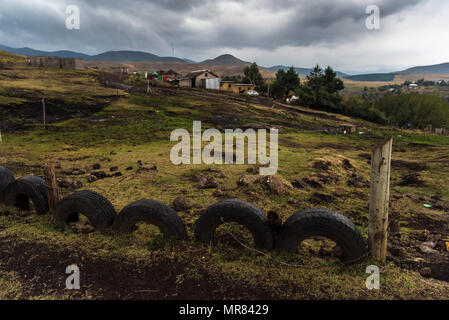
<point x="41" y="268"/>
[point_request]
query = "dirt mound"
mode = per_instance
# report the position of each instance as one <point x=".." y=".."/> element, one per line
<point x="276" y="184"/>
<point x="412" y="166"/>
<point x="331" y="171"/>
<point x="422" y="221"/>
<point x="347" y="165"/>
<point x="321" y="165"/>
<point x="336" y="163"/>
<point x="412" y="179"/>
<point x="328" y="179"/>
<point x="357" y="181"/>
<point x="302" y="183"/>
<point x="321" y="198"/>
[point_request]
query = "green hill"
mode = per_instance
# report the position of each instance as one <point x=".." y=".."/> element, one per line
<point x="372" y="77"/>
<point x="432" y="69"/>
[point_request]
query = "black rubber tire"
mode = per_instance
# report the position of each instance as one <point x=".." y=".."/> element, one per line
<point x="21" y="191"/>
<point x="237" y="211"/>
<point x="152" y="212"/>
<point x="96" y="208"/>
<point x="6" y="177"/>
<point x="325" y="223"/>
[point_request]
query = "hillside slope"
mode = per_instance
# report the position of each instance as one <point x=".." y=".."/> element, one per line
<point x="6" y="57"/>
<point x="442" y="68"/>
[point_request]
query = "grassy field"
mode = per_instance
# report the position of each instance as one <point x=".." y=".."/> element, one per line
<point x="358" y="88"/>
<point x="133" y="129"/>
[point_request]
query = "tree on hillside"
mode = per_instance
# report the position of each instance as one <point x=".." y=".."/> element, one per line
<point x="253" y="76"/>
<point x="322" y="89"/>
<point x="285" y="83"/>
<point x="420" y="110"/>
<point x="235" y="79"/>
<point x="362" y="108"/>
<point x="332" y="83"/>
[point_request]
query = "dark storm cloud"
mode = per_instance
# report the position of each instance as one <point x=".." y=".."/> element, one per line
<point x="309" y="22"/>
<point x="154" y="25"/>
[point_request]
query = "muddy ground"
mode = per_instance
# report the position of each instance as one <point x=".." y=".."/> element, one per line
<point x="18" y="118"/>
<point x="41" y="268"/>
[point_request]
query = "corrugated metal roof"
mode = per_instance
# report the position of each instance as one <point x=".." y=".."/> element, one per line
<point x="195" y="74"/>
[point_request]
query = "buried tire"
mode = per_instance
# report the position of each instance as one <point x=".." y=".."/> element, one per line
<point x="151" y="212"/>
<point x="6" y="177"/>
<point x="96" y="208"/>
<point x="239" y="212"/>
<point x="324" y="223"/>
<point x="19" y="193"/>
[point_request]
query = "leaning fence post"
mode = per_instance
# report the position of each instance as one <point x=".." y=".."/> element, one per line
<point x="52" y="187"/>
<point x="379" y="200"/>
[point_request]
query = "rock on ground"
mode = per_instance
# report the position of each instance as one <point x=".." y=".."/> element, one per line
<point x="82" y="227"/>
<point x="278" y="185"/>
<point x="206" y="182"/>
<point x="248" y="179"/>
<point x="181" y="204"/>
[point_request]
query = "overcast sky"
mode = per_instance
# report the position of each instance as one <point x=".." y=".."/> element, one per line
<point x="270" y="32"/>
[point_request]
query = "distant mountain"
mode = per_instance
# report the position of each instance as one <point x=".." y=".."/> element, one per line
<point x="442" y="68"/>
<point x="432" y="69"/>
<point x="132" y="56"/>
<point x="32" y="52"/>
<point x="225" y="60"/>
<point x="111" y="56"/>
<point x="189" y="61"/>
<point x="305" y="71"/>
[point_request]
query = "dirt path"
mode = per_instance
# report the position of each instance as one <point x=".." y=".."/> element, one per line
<point x="40" y="268"/>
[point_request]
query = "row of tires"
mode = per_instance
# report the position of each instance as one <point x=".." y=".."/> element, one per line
<point x="101" y="214"/>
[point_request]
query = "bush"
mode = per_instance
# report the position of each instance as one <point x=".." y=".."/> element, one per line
<point x="360" y="108"/>
<point x="420" y="110"/>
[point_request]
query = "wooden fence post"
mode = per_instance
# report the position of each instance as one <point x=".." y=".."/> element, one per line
<point x="52" y="187"/>
<point x="44" y="115"/>
<point x="379" y="200"/>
